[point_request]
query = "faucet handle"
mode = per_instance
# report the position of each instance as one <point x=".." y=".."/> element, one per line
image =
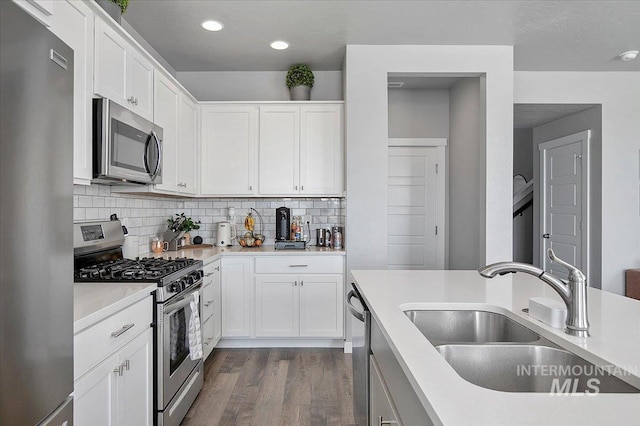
<point x="572" y="269"/>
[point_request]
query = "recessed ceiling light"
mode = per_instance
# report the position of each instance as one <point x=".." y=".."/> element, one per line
<point x="629" y="55"/>
<point x="279" y="45"/>
<point x="212" y="25"/>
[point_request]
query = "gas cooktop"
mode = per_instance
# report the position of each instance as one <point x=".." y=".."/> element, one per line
<point x="145" y="269"/>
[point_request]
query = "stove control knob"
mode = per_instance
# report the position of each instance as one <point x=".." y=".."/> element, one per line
<point x="190" y="280"/>
<point x="173" y="287"/>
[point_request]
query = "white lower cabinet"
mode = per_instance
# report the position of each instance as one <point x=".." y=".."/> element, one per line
<point x="382" y="409"/>
<point x="236" y="296"/>
<point x="113" y="364"/>
<point x="211" y="308"/>
<point x="299" y="306"/>
<point x="119" y="390"/>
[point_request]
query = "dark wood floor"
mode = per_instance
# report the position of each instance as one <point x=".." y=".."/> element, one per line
<point x="275" y="386"/>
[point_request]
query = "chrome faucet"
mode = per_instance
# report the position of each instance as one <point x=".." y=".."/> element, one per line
<point x="574" y="293"/>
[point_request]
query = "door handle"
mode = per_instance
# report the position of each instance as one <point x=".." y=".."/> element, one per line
<point x="359" y="315"/>
<point x="124" y="328"/>
<point x="546" y="236"/>
<point x="386" y="422"/>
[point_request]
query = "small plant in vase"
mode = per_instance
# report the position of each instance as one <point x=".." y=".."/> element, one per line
<point x="300" y="81"/>
<point x="184" y="224"/>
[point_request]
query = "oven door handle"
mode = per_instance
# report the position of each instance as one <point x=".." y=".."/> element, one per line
<point x="174" y="306"/>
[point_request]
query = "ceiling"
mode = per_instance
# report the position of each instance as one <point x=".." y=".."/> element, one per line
<point x="528" y="116"/>
<point x="546" y="35"/>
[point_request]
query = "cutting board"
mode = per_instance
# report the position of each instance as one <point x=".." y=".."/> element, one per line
<point x="196" y="246"/>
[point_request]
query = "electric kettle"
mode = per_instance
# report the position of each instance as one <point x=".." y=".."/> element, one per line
<point x="225" y="234"/>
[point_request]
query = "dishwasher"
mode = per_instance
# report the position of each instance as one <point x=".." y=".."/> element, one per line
<point x="361" y="334"/>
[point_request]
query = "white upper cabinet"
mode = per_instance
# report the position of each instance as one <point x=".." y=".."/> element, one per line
<point x="301" y="150"/>
<point x="177" y="115"/>
<point x="121" y="73"/>
<point x="42" y="10"/>
<point x="229" y="144"/>
<point x="279" y="150"/>
<point x="321" y="150"/>
<point x="72" y="22"/>
<point x="188" y="149"/>
<point x="166" y="112"/>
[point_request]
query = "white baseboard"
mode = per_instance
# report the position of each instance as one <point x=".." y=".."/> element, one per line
<point x="348" y="347"/>
<point x="280" y="343"/>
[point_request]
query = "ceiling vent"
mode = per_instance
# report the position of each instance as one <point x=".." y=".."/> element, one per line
<point x="395" y="84"/>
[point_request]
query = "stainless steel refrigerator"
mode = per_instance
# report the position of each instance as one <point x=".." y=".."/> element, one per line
<point x="36" y="222"/>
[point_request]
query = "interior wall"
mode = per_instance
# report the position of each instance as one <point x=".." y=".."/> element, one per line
<point x="465" y="146"/>
<point x="256" y="85"/>
<point x="366" y="107"/>
<point x="618" y="93"/>
<point x="523" y="223"/>
<point x="522" y="149"/>
<point x="419" y="113"/>
<point x="590" y="119"/>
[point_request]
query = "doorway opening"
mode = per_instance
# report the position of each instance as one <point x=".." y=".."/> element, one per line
<point x="557" y="169"/>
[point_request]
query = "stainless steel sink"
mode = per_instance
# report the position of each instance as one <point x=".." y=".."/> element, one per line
<point x="530" y="368"/>
<point x="442" y="327"/>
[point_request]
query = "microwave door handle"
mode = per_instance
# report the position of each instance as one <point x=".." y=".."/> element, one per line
<point x="159" y="163"/>
<point x="145" y="156"/>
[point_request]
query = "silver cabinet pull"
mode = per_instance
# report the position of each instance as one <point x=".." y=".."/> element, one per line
<point x="135" y="101"/>
<point x="126" y="365"/>
<point x="208" y="304"/>
<point x="386" y="422"/>
<point x="209" y="274"/>
<point x="250" y="188"/>
<point x="302" y="188"/>
<point x="301" y="283"/>
<point x="124" y="328"/>
<point x="298" y="266"/>
<point x="296" y="187"/>
<point x="130" y="99"/>
<point x="217" y="268"/>
<point x="295" y="283"/>
<point x="119" y="370"/>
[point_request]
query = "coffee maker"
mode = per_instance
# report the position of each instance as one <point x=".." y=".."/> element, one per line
<point x="283" y="223"/>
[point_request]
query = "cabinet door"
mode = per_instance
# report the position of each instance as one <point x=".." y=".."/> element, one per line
<point x="277" y="306"/>
<point x="279" y="149"/>
<point x="381" y="406"/>
<point x="166" y="110"/>
<point x="110" y="66"/>
<point x="229" y="144"/>
<point x="236" y="297"/>
<point x="73" y="23"/>
<point x="95" y="395"/>
<point x="187" y="149"/>
<point x="321" y="150"/>
<point x="140" y="84"/>
<point x="135" y="386"/>
<point x="321" y="305"/>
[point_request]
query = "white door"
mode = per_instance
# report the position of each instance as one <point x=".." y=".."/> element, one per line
<point x="229" y="144"/>
<point x="135" y="386"/>
<point x="321" y="306"/>
<point x="140" y="84"/>
<point x="187" y="152"/>
<point x="415" y="238"/>
<point x="166" y="111"/>
<point x="236" y="297"/>
<point x="279" y="150"/>
<point x="563" y="200"/>
<point x="277" y="306"/>
<point x="95" y="395"/>
<point x="321" y="166"/>
<point x="111" y="51"/>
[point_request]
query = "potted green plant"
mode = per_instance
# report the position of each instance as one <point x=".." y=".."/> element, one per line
<point x="184" y="224"/>
<point x="115" y="8"/>
<point x="300" y="81"/>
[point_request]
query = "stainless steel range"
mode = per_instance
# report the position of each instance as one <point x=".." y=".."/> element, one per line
<point x="177" y="377"/>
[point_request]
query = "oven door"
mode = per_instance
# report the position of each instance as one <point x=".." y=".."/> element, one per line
<point x="127" y="147"/>
<point x="174" y="360"/>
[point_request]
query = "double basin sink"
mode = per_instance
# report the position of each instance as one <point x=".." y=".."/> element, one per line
<point x="495" y="352"/>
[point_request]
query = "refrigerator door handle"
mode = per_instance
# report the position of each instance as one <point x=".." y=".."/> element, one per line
<point x="354" y="311"/>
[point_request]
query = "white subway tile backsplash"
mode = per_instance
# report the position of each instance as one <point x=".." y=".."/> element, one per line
<point x="146" y="216"/>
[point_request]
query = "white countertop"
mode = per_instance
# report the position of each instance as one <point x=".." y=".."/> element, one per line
<point x="213" y="253"/>
<point x="92" y="302"/>
<point x="449" y="399"/>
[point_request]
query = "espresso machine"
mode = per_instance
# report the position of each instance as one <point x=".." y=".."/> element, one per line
<point x="283" y="223"/>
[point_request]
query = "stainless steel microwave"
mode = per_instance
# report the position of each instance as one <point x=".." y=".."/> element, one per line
<point x="126" y="148"/>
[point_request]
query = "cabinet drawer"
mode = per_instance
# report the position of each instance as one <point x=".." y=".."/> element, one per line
<point x="207" y="302"/>
<point x="208" y="337"/>
<point x="100" y="340"/>
<point x="299" y="265"/>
